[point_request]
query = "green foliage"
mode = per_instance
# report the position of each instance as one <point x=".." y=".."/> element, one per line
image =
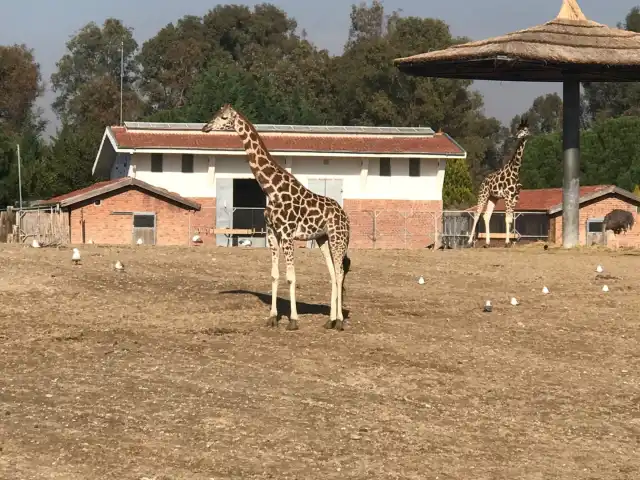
<point x="610" y="154"/>
<point x="542" y="163"/>
<point x="458" y="187"/>
<point x="608" y="100"/>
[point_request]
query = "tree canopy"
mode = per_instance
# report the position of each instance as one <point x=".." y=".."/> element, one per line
<point x="260" y="60"/>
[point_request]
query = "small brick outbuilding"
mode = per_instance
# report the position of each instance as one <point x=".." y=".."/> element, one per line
<point x="539" y="211"/>
<point x="123" y="210"/>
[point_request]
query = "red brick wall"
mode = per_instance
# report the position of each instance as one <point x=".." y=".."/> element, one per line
<point x="204" y="221"/>
<point x="393" y="223"/>
<point x="104" y="228"/>
<point x="599" y="209"/>
<point x="398" y="223"/>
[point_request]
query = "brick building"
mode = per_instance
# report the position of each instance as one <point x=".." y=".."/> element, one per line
<point x="122" y="210"/>
<point x="539" y="214"/>
<point x="388" y="179"/>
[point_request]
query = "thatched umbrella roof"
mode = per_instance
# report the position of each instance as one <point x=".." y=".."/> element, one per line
<point x="569" y="46"/>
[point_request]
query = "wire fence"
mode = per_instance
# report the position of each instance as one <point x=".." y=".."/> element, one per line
<point x="375" y="228"/>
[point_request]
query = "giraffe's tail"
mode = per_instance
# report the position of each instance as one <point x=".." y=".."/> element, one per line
<point x="346" y="266"/>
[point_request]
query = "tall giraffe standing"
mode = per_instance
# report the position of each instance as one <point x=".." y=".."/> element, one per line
<point x="503" y="183"/>
<point x="293" y="212"/>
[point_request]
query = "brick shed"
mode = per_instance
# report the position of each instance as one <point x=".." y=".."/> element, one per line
<point x="539" y="211"/>
<point x="119" y="211"/>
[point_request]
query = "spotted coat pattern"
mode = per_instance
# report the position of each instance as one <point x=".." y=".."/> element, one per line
<point x="503" y="183"/>
<point x="293" y="212"/>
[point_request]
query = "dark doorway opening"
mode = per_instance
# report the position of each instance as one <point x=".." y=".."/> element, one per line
<point x="249" y="202"/>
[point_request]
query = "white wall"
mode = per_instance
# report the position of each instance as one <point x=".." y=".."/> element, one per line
<point x="194" y="184"/>
<point x="360" y="176"/>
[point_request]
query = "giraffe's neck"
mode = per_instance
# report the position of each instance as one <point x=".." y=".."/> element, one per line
<point x="270" y="175"/>
<point x="516" y="160"/>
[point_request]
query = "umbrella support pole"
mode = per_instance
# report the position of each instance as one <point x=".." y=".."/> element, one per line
<point x="571" y="164"/>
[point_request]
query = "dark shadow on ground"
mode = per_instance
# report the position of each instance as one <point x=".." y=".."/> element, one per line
<point x="284" y="306"/>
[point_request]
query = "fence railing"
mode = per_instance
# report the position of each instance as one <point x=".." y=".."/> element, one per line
<point x="377" y="228"/>
<point x="49" y="226"/>
<point x="527" y="226"/>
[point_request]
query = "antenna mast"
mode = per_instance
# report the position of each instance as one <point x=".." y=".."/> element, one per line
<point x="121" y="77"/>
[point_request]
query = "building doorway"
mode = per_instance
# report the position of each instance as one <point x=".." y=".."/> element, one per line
<point x="144" y="227"/>
<point x="249" y="202"/>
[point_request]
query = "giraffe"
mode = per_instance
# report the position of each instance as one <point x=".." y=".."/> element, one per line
<point x="503" y="183"/>
<point x="293" y="212"/>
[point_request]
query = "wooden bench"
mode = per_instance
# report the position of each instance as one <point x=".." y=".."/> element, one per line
<point x="499" y="236"/>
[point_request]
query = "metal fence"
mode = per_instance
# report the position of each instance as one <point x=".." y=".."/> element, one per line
<point x="527" y="226"/>
<point x="375" y="228"/>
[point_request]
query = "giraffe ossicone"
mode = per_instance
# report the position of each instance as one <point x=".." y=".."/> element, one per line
<point x="503" y="183"/>
<point x="293" y="212"/>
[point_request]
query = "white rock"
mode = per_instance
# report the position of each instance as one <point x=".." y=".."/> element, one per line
<point x="35" y="243"/>
<point x="599" y="269"/>
<point x="605" y="288"/>
<point x="421" y="281"/>
<point x="139" y="241"/>
<point x="514" y="302"/>
<point x="545" y="290"/>
<point x="119" y="266"/>
<point x="76" y="255"/>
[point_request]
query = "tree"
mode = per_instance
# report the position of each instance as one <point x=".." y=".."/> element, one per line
<point x="544" y="115"/>
<point x="370" y="90"/>
<point x="610" y="154"/>
<point x="458" y="187"/>
<point x="20" y="86"/>
<point x="608" y="99"/>
<point x="171" y="61"/>
<point x="93" y="62"/>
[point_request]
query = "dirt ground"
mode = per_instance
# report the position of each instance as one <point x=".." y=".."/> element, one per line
<point x="167" y="371"/>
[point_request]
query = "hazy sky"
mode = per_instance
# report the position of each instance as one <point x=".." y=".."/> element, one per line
<point x="46" y="25"/>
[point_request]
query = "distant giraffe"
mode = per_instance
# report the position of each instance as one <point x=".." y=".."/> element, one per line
<point x="293" y="212"/>
<point x="503" y="183"/>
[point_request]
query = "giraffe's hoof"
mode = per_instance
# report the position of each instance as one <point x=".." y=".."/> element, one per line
<point x="272" y="321"/>
<point x="293" y="324"/>
<point x="334" y="324"/>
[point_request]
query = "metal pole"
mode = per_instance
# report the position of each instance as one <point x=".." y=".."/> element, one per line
<point x="571" y="164"/>
<point x="121" y="77"/>
<point x="19" y="176"/>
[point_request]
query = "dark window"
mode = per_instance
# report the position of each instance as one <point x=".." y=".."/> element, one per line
<point x="144" y="221"/>
<point x="414" y="167"/>
<point x="594" y="226"/>
<point x="97" y="203"/>
<point x="187" y="163"/>
<point x="385" y="167"/>
<point x="156" y="162"/>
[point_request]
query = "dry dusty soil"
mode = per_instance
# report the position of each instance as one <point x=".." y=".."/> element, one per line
<point x="168" y="371"/>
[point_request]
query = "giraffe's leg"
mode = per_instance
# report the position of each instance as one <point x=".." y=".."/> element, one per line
<point x="323" y="243"/>
<point x="482" y="202"/>
<point x="487" y="219"/>
<point x="508" y="220"/>
<point x="275" y="276"/>
<point x="287" y="249"/>
<point x="338" y="251"/>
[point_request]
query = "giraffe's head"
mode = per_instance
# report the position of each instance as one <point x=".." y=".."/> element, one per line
<point x="523" y="129"/>
<point x="224" y="120"/>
